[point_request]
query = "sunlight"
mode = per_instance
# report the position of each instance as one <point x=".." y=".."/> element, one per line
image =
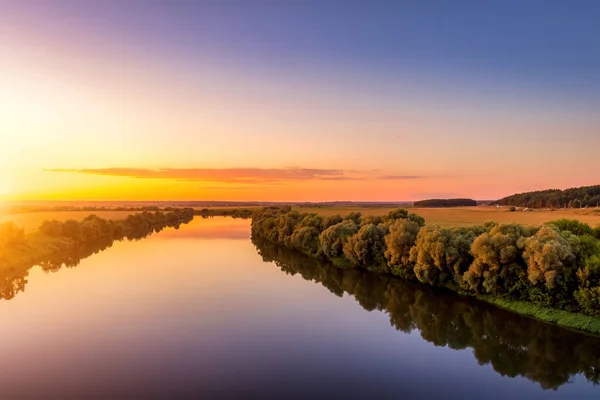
<point x="5" y="188"/>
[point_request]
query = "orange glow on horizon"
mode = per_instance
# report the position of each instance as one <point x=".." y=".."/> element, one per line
<point x="73" y="107"/>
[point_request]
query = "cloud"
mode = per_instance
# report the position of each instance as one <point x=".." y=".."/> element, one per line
<point x="399" y="177"/>
<point x="341" y="178"/>
<point x="225" y="175"/>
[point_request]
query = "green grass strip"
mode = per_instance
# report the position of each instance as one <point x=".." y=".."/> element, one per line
<point x="563" y="318"/>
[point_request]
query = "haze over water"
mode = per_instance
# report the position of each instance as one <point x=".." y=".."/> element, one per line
<point x="197" y="312"/>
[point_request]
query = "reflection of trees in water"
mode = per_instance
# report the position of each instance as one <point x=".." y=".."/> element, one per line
<point x="514" y="345"/>
<point x="13" y="275"/>
<point x="12" y="282"/>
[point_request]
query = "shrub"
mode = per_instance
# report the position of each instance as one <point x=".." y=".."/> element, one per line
<point x="366" y="247"/>
<point x="547" y="255"/>
<point x="401" y="238"/>
<point x="333" y="238"/>
<point x="498" y="263"/>
<point x="573" y="226"/>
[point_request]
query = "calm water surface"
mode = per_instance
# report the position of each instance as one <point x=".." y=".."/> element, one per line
<point x="199" y="313"/>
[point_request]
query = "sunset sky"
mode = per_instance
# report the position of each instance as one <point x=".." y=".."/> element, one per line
<point x="297" y="100"/>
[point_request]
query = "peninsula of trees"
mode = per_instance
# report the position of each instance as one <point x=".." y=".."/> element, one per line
<point x="446" y="203"/>
<point x="586" y="196"/>
<point x="555" y="265"/>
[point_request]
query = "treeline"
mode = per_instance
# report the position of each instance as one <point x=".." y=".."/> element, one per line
<point x="586" y="196"/>
<point x="555" y="265"/>
<point x="243" y="213"/>
<point x="512" y="344"/>
<point x="67" y="208"/>
<point x="235" y="212"/>
<point x="56" y="244"/>
<point x="446" y="203"/>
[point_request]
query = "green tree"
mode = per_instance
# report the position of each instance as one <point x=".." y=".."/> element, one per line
<point x="306" y="239"/>
<point x="401" y="238"/>
<point x="354" y="216"/>
<point x="398" y="213"/>
<point x="333" y="238"/>
<point x="429" y="255"/>
<point x="573" y="226"/>
<point x="588" y="294"/>
<point x="548" y="256"/>
<point x="498" y="264"/>
<point x="366" y="247"/>
<point x="330" y="221"/>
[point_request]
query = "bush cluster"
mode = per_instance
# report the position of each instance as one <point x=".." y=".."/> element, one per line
<point x="555" y="265"/>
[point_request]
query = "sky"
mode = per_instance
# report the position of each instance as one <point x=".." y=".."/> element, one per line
<point x="297" y="100"/>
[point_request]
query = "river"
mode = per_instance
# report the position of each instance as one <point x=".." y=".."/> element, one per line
<point x="203" y="312"/>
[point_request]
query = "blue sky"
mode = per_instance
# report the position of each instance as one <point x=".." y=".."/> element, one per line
<point x="478" y="87"/>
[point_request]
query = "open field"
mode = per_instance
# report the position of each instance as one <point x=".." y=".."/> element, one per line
<point x="31" y="221"/>
<point x="458" y="216"/>
<point x="465" y="216"/>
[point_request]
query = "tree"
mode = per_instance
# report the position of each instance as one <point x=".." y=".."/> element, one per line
<point x="51" y="228"/>
<point x="572" y="198"/>
<point x="401" y="238"/>
<point x="306" y="239"/>
<point x="330" y="221"/>
<point x="72" y="229"/>
<point x="398" y="213"/>
<point x="10" y="235"/>
<point x="498" y="263"/>
<point x="286" y="224"/>
<point x="312" y="220"/>
<point x="446" y="203"/>
<point x="596" y="231"/>
<point x="548" y="256"/>
<point x="573" y="226"/>
<point x="371" y="219"/>
<point x="354" y="216"/>
<point x="588" y="295"/>
<point x="333" y="238"/>
<point x="417" y="219"/>
<point x="366" y="247"/>
<point x="442" y="255"/>
<point x="429" y="255"/>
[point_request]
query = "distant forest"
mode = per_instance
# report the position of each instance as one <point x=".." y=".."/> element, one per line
<point x="446" y="203"/>
<point x="586" y="196"/>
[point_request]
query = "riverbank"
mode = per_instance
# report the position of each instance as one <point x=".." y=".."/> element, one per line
<point x="510" y="343"/>
<point x="577" y="321"/>
<point x="549" y="272"/>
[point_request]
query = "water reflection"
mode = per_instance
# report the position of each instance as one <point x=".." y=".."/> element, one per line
<point x="14" y="278"/>
<point x="512" y="344"/>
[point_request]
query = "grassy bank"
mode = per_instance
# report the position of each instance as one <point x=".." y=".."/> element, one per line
<point x="563" y="318"/>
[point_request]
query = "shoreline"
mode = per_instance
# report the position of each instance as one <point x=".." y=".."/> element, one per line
<point x="578" y="322"/>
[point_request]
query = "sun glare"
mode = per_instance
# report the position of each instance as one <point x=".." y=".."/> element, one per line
<point x="5" y="189"/>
